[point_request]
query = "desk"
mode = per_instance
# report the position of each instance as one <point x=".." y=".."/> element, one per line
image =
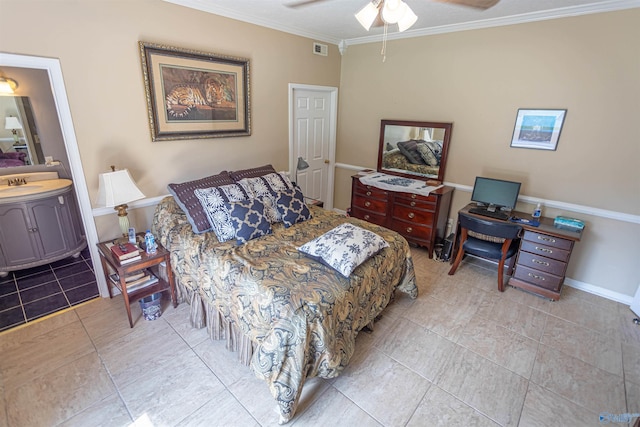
<point x="543" y="255"/>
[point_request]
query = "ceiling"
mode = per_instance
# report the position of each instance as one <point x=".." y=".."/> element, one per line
<point x="333" y="21"/>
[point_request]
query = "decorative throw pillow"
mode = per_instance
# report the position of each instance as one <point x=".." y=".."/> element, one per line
<point x="251" y="173"/>
<point x="267" y="188"/>
<point x="213" y="203"/>
<point x="345" y="247"/>
<point x="410" y="151"/>
<point x="185" y="197"/>
<point x="248" y="219"/>
<point x="427" y="154"/>
<point x="291" y="207"/>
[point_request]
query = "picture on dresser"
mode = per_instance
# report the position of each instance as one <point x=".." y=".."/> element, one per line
<point x="193" y="94"/>
<point x="414" y="149"/>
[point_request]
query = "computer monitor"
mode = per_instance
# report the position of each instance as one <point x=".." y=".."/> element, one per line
<point x="495" y="193"/>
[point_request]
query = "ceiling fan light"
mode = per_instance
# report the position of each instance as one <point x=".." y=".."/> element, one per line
<point x="367" y="15"/>
<point x="408" y="19"/>
<point x="393" y="11"/>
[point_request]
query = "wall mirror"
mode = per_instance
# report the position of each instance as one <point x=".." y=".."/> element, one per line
<point x="23" y="139"/>
<point x="414" y="149"/>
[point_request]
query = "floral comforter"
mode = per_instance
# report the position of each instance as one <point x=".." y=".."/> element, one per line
<point x="301" y="316"/>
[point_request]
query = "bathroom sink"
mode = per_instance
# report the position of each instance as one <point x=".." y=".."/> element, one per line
<point x="33" y="188"/>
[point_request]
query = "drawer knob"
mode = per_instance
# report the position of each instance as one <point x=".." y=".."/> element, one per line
<point x="547" y="239"/>
<point x="409" y="229"/>
<point x="537" y="261"/>
<point x="366" y="217"/>
<point x="413" y="204"/>
<point x="411" y="215"/>
<point x="413" y="196"/>
<point x="368" y="193"/>
<point x="549" y="251"/>
<point x="535" y="276"/>
<point x="367" y="204"/>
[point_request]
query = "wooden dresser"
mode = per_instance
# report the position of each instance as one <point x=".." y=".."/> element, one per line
<point x="422" y="220"/>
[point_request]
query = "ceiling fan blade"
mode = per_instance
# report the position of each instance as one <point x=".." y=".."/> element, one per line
<point x="302" y="3"/>
<point x="479" y="4"/>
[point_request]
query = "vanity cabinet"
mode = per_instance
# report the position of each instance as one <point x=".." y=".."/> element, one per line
<point x="422" y="220"/>
<point x="38" y="231"/>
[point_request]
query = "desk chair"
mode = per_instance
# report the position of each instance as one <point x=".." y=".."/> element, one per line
<point x="487" y="239"/>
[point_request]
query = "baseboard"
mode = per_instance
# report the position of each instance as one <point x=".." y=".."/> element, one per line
<point x="601" y="292"/>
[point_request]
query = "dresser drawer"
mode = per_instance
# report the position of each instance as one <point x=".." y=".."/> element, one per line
<point x="544" y="264"/>
<point x="375" y="218"/>
<point x="370" y="192"/>
<point x="412" y="215"/>
<point x="417" y="204"/>
<point x="545" y="239"/>
<point x="538" y="278"/>
<point x="411" y="230"/>
<point x="416" y="198"/>
<point x="544" y="250"/>
<point x="374" y="205"/>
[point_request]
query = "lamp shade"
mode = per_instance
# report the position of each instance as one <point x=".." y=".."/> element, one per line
<point x="407" y="20"/>
<point x="367" y="15"/>
<point x="302" y="164"/>
<point x="117" y="188"/>
<point x="11" y="123"/>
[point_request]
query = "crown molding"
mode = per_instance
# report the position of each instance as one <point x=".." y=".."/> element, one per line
<point x="564" y="12"/>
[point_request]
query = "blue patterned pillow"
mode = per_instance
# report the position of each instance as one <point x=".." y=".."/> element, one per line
<point x="292" y="208"/>
<point x="266" y="188"/>
<point x="213" y="203"/>
<point x="248" y="219"/>
<point x="344" y="247"/>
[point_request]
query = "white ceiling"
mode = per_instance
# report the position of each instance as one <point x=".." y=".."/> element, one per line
<point x="333" y="21"/>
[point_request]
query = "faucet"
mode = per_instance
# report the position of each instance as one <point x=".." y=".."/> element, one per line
<point x="16" y="181"/>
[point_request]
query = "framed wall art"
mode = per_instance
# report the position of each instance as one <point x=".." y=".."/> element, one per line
<point x="192" y="94"/>
<point x="538" y="129"/>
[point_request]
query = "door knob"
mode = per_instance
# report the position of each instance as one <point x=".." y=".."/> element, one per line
<point x="326" y="161"/>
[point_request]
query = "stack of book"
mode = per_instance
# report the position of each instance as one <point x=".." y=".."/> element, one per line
<point x="134" y="281"/>
<point x="126" y="252"/>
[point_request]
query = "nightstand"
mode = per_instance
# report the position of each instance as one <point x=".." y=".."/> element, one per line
<point x="150" y="262"/>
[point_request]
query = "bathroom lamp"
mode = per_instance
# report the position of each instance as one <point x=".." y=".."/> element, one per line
<point x="13" y="124"/>
<point x="116" y="189"/>
<point x="7" y="85"/>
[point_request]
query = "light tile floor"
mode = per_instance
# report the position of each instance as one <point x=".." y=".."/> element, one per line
<point x="461" y="354"/>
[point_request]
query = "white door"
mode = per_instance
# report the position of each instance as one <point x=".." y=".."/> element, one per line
<point x="313" y="115"/>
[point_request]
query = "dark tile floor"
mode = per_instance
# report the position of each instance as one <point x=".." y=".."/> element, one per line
<point x="27" y="295"/>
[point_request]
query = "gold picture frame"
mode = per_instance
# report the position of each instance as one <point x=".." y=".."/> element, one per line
<point x="193" y="94"/>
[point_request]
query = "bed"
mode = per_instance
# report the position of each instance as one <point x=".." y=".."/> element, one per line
<point x="289" y="316"/>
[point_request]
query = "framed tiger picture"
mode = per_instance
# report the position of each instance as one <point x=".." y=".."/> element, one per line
<point x="193" y="94"/>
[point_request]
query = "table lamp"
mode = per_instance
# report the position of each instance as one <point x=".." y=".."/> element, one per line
<point x="13" y="124"/>
<point x="302" y="165"/>
<point x="116" y="189"/>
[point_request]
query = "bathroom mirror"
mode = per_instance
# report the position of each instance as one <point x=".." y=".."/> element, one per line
<point x="25" y="140"/>
<point x="414" y="149"/>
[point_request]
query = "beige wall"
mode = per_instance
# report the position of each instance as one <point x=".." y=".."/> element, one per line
<point x="475" y="79"/>
<point x="478" y="80"/>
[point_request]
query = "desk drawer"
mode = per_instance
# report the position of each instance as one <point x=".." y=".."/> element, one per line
<point x="545" y="251"/>
<point x="545" y="239"/>
<point x="537" y="262"/>
<point x="538" y="278"/>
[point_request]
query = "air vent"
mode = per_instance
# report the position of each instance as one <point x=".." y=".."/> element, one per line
<point x="320" y="49"/>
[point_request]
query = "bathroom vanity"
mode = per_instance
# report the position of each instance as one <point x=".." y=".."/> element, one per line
<point x="39" y="221"/>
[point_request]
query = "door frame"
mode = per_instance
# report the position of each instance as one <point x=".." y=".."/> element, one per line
<point x="54" y="71"/>
<point x="333" y="125"/>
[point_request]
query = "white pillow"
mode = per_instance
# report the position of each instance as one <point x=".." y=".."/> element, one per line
<point x="344" y="247"/>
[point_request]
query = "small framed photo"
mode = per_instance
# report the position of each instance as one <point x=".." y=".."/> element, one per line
<point x="193" y="94"/>
<point x="539" y="129"/>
